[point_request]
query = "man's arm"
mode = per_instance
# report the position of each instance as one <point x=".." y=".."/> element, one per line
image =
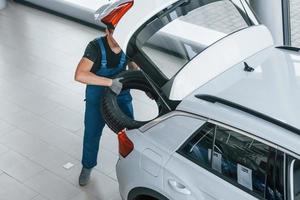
<point x="84" y="75"/>
<point x="133" y="66"/>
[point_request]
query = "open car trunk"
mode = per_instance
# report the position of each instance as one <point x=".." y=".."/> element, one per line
<point x="188" y="43"/>
<point x="177" y="42"/>
<point x="181" y="45"/>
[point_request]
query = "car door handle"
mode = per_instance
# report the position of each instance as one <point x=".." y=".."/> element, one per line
<point x="178" y="187"/>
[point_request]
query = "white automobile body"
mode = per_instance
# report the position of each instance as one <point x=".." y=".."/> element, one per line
<point x="272" y="89"/>
<point x="255" y="92"/>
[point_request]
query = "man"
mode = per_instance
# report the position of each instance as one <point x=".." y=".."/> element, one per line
<point x="102" y="60"/>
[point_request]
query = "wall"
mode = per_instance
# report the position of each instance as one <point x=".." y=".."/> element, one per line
<point x="71" y="8"/>
<point x="269" y="13"/>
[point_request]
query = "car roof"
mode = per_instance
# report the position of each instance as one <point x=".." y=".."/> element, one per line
<point x="218" y="58"/>
<point x="272" y="89"/>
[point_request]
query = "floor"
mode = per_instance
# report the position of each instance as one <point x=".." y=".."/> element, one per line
<point x="41" y="110"/>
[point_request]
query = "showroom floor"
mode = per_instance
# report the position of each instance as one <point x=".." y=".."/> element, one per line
<point x="41" y="110"/>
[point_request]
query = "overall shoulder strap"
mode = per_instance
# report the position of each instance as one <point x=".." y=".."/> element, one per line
<point x="122" y="59"/>
<point x="103" y="53"/>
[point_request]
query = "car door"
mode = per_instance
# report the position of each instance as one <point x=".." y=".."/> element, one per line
<point x="219" y="163"/>
<point x="182" y="177"/>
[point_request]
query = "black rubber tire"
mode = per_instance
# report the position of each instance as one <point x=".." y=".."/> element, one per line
<point x="144" y="197"/>
<point x="111" y="112"/>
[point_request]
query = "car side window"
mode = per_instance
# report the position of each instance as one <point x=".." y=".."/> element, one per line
<point x="241" y="159"/>
<point x="199" y="147"/>
<point x="236" y="158"/>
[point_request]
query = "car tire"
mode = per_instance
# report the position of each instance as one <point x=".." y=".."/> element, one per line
<point x="145" y="194"/>
<point x="142" y="197"/>
<point x="111" y="112"/>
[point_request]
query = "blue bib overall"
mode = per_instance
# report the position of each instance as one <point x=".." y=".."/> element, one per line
<point x="93" y="120"/>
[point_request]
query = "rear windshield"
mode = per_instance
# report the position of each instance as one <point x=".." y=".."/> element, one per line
<point x="177" y="35"/>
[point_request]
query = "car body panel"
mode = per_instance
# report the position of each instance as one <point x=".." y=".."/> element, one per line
<point x="170" y="134"/>
<point x="202" y="184"/>
<point x="152" y="150"/>
<point x="141" y="164"/>
<point x="218" y="58"/>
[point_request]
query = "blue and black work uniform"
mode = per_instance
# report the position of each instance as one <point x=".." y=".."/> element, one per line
<point x="106" y="64"/>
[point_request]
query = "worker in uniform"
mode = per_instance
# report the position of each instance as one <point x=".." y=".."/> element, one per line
<point x="103" y="59"/>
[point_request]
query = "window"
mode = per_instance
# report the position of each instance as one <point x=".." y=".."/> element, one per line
<point x="295" y="22"/>
<point x="291" y="19"/>
<point x="241" y="160"/>
<point x="174" y="39"/>
<point x="244" y="160"/>
<point x="199" y="147"/>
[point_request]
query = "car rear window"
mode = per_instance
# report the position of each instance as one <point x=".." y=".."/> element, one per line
<point x="175" y="38"/>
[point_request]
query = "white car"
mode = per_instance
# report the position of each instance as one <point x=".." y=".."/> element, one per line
<point x="234" y="129"/>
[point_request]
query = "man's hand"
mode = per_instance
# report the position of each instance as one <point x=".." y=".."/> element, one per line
<point x="133" y="66"/>
<point x="116" y="86"/>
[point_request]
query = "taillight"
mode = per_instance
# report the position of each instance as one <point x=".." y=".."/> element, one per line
<point x="116" y="14"/>
<point x="125" y="144"/>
